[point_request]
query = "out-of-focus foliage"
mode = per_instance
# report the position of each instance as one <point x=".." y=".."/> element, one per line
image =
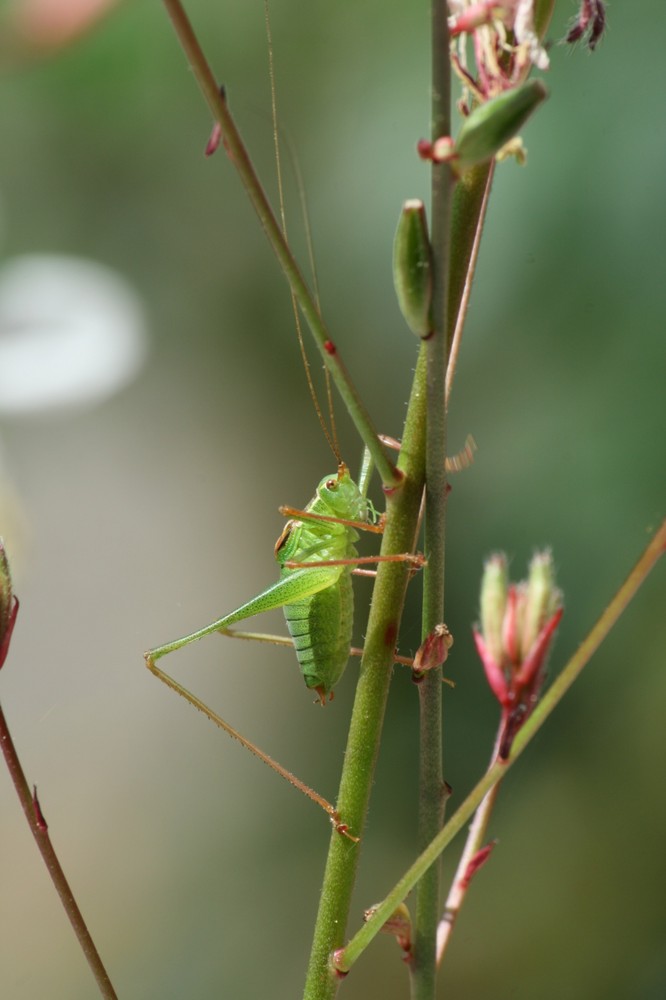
<point x="155" y="512"/>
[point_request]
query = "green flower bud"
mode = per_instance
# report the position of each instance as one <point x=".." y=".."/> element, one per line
<point x="412" y="268"/>
<point x="541" y="599"/>
<point x="8" y="605"/>
<point x="491" y="125"/>
<point x="494" y="594"/>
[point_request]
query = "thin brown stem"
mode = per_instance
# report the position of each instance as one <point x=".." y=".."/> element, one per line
<point x="462" y="878"/>
<point x="39" y="830"/>
<point x="456" y="340"/>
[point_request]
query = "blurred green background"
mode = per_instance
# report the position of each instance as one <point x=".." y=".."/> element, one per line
<point x="154" y="512"/>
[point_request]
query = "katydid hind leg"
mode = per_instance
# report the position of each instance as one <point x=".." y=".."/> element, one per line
<point x="294" y="587"/>
<point x="201" y="706"/>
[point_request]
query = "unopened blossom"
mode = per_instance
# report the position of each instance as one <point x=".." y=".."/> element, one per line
<point x="516" y="630"/>
<point x="8" y="605"/>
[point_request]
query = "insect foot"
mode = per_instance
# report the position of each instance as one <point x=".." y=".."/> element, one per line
<point x="342" y="828"/>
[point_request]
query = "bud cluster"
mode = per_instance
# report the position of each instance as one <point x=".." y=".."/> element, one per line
<point x="516" y="630"/>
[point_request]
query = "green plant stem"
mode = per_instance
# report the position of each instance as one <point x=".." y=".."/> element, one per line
<point x="39" y="831"/>
<point x="346" y="957"/>
<point x="239" y="156"/>
<point x="365" y="729"/>
<point x="431" y="782"/>
<point x="370" y="700"/>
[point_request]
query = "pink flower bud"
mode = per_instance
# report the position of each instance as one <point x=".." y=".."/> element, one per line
<point x="518" y="623"/>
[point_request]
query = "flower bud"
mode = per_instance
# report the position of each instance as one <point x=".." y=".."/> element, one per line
<point x="491" y="125"/>
<point x="412" y="268"/>
<point x="494" y="590"/>
<point x="518" y="623"/>
<point x="541" y="600"/>
<point x="8" y="605"/>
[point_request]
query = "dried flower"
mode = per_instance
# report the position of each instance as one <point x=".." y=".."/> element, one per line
<point x="432" y="652"/>
<point x="507" y="42"/>
<point x="590" y="21"/>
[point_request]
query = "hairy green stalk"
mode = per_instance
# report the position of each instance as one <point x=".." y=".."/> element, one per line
<point x="370" y="701"/>
<point x="384" y="621"/>
<point x="431" y="779"/>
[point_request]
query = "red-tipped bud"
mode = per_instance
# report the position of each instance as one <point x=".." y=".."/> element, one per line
<point x="477" y="862"/>
<point x="214" y="140"/>
<point x="518" y="623"/>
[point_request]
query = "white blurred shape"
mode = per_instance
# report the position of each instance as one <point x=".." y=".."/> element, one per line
<point x="72" y="333"/>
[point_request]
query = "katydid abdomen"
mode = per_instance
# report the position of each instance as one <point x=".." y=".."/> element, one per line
<point x="321" y="628"/>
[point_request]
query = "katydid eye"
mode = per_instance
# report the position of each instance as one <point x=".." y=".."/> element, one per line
<point x="332" y="484"/>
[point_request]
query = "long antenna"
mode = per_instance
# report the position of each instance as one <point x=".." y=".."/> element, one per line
<point x="330" y="435"/>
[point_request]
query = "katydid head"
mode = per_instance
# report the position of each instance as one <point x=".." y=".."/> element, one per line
<point x="342" y="497"/>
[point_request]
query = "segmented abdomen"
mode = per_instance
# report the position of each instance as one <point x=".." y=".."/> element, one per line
<point x="328" y="616"/>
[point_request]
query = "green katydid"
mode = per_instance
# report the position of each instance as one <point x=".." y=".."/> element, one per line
<point x="317" y="555"/>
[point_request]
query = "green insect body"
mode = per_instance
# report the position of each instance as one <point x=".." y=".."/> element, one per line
<point x="320" y="622"/>
<point x="317" y="601"/>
